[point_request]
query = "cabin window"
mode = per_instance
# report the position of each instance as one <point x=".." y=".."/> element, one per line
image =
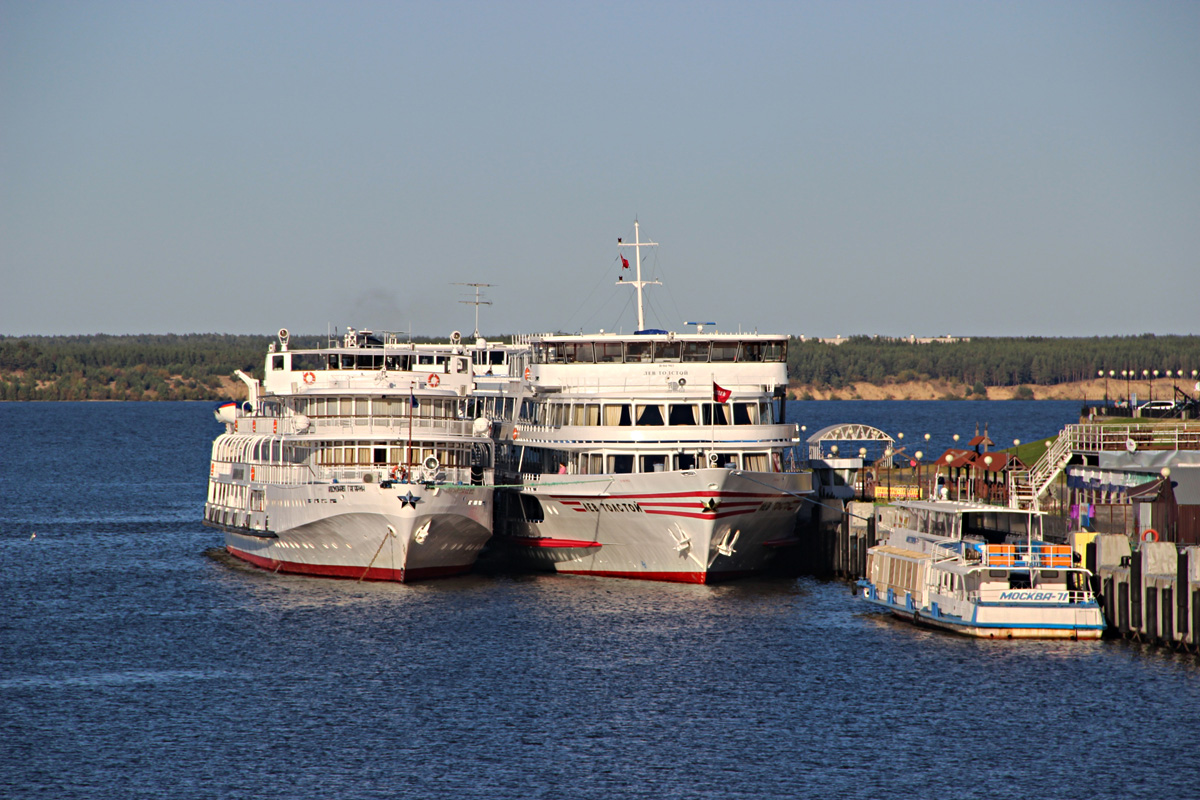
<point x="724" y="351"/>
<point x="725" y="460"/>
<point x="668" y="351"/>
<point x="276" y="362"/>
<point x="756" y="462"/>
<point x="592" y="415"/>
<point x="745" y="413"/>
<point x="636" y="352"/>
<point x="649" y="415"/>
<point x="360" y="407"/>
<point x="775" y="351"/>
<point x="620" y="464"/>
<point x="997" y="573"/>
<point x="654" y="463"/>
<point x="715" y="414"/>
<point x="608" y="352"/>
<point x="683" y="414"/>
<point x="685" y="461"/>
<point x="379" y="455"/>
<point x="695" y="351"/>
<point x="595" y="464"/>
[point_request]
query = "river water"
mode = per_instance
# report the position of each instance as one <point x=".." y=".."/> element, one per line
<point x="136" y="661"/>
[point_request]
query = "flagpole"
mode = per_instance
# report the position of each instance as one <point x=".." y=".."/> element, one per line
<point x="408" y="452"/>
<point x="638" y="283"/>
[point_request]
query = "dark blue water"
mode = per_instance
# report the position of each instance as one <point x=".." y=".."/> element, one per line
<point x="133" y="664"/>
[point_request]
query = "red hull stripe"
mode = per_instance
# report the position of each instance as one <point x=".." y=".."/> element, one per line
<point x="669" y="577"/>
<point x="574" y="498"/>
<point x="340" y="571"/>
<point x="546" y="541"/>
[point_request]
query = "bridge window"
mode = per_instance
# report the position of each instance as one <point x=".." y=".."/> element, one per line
<point x="608" y="352"/>
<point x="724" y="351"/>
<point x="751" y="351"/>
<point x="775" y="351"/>
<point x="668" y="351"/>
<point x="695" y="351"/>
<point x="637" y="352"/>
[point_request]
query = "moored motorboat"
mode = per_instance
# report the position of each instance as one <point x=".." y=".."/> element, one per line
<point x="978" y="570"/>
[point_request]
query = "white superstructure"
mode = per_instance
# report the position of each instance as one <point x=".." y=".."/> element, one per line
<point x="654" y="455"/>
<point x="978" y="570"/>
<point x="357" y="460"/>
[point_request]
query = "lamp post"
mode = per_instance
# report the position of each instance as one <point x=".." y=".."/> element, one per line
<point x="1153" y="378"/>
<point x="949" y="461"/>
<point x="1102" y="375"/>
<point x="1125" y="375"/>
<point x="1111" y="374"/>
<point x="987" y="462"/>
<point x="862" y="456"/>
<point x="917" y="471"/>
<point x="1150" y="386"/>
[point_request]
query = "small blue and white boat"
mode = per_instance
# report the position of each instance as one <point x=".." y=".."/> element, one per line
<point x="978" y="570"/>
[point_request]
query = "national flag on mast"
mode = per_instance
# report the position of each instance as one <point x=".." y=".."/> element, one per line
<point x="624" y="262"/>
<point x="412" y="399"/>
<point x="720" y="395"/>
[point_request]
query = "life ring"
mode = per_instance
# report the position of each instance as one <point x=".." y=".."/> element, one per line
<point x="310" y="378"/>
<point x="399" y="473"/>
<point x="516" y="434"/>
<point x="434" y="380"/>
<point x="1149" y="535"/>
<point x="528" y="372"/>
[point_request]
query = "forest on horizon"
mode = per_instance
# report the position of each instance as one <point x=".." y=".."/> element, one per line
<point x="198" y="366"/>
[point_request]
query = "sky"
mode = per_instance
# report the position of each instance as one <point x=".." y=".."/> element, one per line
<point x="809" y="168"/>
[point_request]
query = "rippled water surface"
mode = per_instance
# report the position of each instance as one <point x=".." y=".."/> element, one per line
<point x="136" y="661"/>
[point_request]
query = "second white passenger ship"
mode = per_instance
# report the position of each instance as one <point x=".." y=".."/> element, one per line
<point x="652" y="455"/>
<point x="357" y="461"/>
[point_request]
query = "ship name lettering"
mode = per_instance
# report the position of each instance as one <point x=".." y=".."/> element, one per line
<point x="598" y="507"/>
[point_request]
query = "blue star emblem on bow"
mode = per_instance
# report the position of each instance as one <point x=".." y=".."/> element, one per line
<point x="408" y="499"/>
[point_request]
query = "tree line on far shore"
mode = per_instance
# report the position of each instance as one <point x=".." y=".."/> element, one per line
<point x="193" y="366"/>
<point x="992" y="361"/>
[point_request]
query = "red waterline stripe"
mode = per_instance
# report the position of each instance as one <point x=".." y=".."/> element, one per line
<point x="340" y="571"/>
<point x="699" y="514"/>
<point x="562" y="498"/>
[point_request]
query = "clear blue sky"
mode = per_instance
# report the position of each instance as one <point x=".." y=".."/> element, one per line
<point x="976" y="168"/>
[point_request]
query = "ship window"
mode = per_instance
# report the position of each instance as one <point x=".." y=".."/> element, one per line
<point x="578" y="352"/>
<point x="626" y="419"/>
<point x="608" y="352"/>
<point x="745" y="413"/>
<point x="724" y="351"/>
<point x="360" y="407"/>
<point x="654" y="463"/>
<point x="775" y="351"/>
<point x="620" y="464"/>
<point x="726" y="460"/>
<point x="751" y="351"/>
<point x="638" y="351"/>
<point x="592" y="417"/>
<point x="755" y="462"/>
<point x="595" y="464"/>
<point x="276" y="362"/>
<point x="380" y="455"/>
<point x="685" y="461"/>
<point x="668" y="351"/>
<point x="649" y="415"/>
<point x="496" y="357"/>
<point x="717" y="409"/>
<point x="683" y="414"/>
<point x="695" y="351"/>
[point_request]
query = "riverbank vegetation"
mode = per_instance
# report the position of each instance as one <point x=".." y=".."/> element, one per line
<point x="201" y="366"/>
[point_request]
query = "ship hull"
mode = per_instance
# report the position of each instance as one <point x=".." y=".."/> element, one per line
<point x="400" y="533"/>
<point x="699" y="526"/>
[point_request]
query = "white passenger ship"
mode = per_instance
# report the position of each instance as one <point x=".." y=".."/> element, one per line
<point x="978" y="570"/>
<point x="356" y="461"/>
<point x="651" y="455"/>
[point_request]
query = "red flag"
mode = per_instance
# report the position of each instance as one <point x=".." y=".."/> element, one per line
<point x="720" y="395"/>
<point x="624" y="262"/>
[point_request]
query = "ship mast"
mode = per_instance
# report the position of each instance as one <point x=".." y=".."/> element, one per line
<point x="638" y="283"/>
<point x="476" y="302"/>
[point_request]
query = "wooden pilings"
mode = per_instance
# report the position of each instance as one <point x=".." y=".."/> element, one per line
<point x="1151" y="594"/>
